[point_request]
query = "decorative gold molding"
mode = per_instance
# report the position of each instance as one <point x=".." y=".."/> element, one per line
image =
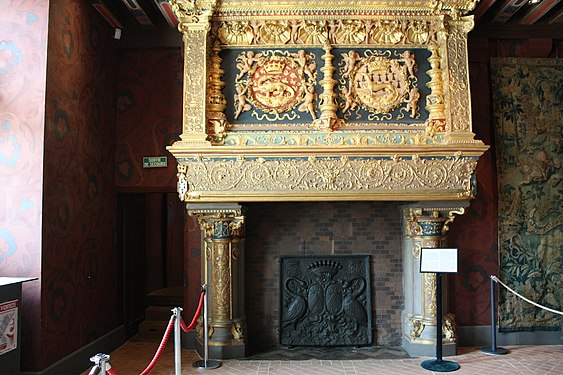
<point x="242" y="178"/>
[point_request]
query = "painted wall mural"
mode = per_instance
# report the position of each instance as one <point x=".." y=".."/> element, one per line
<point x="527" y="99"/>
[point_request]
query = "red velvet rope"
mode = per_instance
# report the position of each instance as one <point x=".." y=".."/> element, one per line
<point x="196" y="315"/>
<point x="160" y="348"/>
<point x="167" y="335"/>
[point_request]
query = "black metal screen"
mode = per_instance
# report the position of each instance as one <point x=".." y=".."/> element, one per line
<point x="325" y="301"/>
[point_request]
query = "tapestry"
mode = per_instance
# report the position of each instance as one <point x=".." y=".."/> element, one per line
<point x="528" y="121"/>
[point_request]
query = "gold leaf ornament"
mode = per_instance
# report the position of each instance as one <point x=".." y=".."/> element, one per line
<point x="313" y="32"/>
<point x="275" y="32"/>
<point x="236" y="33"/>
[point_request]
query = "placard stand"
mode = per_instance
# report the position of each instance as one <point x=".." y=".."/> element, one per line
<point x="436" y="261"/>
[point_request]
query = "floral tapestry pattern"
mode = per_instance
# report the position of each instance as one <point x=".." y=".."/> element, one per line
<point x="528" y="117"/>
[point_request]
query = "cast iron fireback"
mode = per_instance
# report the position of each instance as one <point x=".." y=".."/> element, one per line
<point x="325" y="301"/>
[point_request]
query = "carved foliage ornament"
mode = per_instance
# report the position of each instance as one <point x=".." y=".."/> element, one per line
<point x="330" y="174"/>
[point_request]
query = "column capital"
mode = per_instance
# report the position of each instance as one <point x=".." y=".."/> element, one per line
<point x="218" y="221"/>
<point x="431" y="221"/>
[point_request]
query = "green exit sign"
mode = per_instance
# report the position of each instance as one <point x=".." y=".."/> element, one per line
<point x="155" y="162"/>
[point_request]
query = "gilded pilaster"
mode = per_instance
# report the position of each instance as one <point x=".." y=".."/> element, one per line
<point x="435" y="104"/>
<point x="459" y="109"/>
<point x="223" y="271"/>
<point x="194" y="24"/>
<point x="426" y="228"/>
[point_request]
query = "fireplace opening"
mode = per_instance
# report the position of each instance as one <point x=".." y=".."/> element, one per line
<point x="281" y="233"/>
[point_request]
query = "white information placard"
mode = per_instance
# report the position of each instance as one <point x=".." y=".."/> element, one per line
<point x="438" y="260"/>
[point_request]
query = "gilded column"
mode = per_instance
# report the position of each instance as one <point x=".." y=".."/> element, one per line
<point x="425" y="228"/>
<point x="459" y="128"/>
<point x="435" y="104"/>
<point x="222" y="228"/>
<point x="194" y="24"/>
<point x="328" y="119"/>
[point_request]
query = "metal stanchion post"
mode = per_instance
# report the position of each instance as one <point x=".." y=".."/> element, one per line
<point x="206" y="363"/>
<point x="493" y="349"/>
<point x="177" y="341"/>
<point x="101" y="364"/>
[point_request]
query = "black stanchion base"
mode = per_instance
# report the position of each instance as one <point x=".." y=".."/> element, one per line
<point x="497" y="351"/>
<point x="210" y="364"/>
<point x="439" y="365"/>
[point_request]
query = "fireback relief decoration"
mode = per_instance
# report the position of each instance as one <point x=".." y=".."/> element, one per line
<point x="325" y="301"/>
<point x="527" y="99"/>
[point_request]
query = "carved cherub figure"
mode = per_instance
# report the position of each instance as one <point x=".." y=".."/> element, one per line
<point x="308" y="104"/>
<point x="245" y="64"/>
<point x="348" y="96"/>
<point x="408" y="59"/>
<point x="350" y="60"/>
<point x="240" y="99"/>
<point x="412" y="101"/>
<point x="307" y="67"/>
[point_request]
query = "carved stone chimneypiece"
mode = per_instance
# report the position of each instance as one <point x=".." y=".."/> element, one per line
<point x="293" y="100"/>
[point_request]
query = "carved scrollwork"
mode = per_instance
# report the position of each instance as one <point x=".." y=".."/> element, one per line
<point x="330" y="174"/>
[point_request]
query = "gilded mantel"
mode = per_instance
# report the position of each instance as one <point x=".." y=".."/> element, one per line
<point x="328" y="100"/>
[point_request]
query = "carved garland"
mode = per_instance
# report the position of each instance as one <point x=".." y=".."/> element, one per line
<point x="328" y="174"/>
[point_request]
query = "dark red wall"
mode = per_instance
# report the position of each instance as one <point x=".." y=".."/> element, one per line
<point x="79" y="258"/>
<point x="149" y="117"/>
<point x="476" y="232"/>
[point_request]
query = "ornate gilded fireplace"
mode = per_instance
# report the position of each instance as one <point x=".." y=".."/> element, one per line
<point x="292" y="100"/>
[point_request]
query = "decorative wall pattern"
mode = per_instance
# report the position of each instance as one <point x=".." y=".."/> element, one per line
<point x="149" y="116"/>
<point x="23" y="59"/>
<point x="79" y="258"/>
<point x="527" y="100"/>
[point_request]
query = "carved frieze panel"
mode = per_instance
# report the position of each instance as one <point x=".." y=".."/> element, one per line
<point x="241" y="178"/>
